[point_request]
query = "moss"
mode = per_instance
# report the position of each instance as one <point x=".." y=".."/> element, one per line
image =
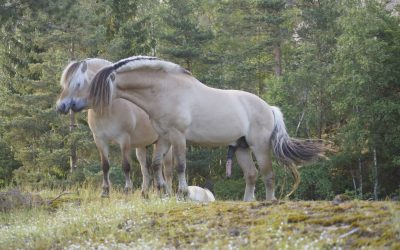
<point x="296" y="218"/>
<point x="172" y="224"/>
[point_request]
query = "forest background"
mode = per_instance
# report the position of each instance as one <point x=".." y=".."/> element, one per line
<point x="333" y="67"/>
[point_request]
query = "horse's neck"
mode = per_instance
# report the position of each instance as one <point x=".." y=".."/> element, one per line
<point x="138" y="97"/>
<point x="147" y="89"/>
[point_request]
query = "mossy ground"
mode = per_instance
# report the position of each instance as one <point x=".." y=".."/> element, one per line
<point x="86" y="221"/>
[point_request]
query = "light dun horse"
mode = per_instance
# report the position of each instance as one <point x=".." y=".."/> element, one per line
<point x="124" y="123"/>
<point x="183" y="109"/>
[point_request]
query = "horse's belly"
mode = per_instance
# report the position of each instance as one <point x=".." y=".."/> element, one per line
<point x="208" y="136"/>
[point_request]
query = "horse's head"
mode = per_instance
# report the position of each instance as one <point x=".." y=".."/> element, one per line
<point x="75" y="81"/>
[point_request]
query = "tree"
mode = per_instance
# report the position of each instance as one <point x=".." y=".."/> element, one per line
<point x="184" y="36"/>
<point x="30" y="68"/>
<point x="367" y="82"/>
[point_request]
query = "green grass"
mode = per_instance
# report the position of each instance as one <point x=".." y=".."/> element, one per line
<point x="85" y="221"/>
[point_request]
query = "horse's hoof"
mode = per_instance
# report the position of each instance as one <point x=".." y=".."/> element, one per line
<point x="160" y="187"/>
<point x="183" y="192"/>
<point x="105" y="195"/>
<point x="164" y="197"/>
<point x="127" y="190"/>
<point x="145" y="195"/>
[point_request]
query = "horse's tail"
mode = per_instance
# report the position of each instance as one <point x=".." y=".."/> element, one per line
<point x="100" y="92"/>
<point x="291" y="152"/>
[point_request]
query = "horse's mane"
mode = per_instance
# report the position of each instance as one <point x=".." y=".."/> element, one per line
<point x="139" y="62"/>
<point x="68" y="71"/>
<point x="100" y="90"/>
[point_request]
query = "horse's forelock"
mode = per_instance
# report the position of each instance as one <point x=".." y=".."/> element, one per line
<point x="68" y="72"/>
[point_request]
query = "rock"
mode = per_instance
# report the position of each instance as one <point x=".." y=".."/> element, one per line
<point x="14" y="199"/>
<point x="341" y="198"/>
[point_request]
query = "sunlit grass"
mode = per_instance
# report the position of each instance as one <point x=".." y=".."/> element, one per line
<point x="84" y="220"/>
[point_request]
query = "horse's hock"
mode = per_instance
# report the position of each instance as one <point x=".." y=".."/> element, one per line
<point x="13" y="199"/>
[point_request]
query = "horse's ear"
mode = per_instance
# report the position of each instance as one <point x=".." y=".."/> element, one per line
<point x="112" y="76"/>
<point x="84" y="66"/>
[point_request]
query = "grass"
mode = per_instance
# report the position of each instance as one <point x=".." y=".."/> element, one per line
<point x="86" y="221"/>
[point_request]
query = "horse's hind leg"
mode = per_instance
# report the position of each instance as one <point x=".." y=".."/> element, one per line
<point x="126" y="166"/>
<point x="263" y="156"/>
<point x="168" y="169"/>
<point x="103" y="149"/>
<point x="243" y="156"/>
<point x="141" y="156"/>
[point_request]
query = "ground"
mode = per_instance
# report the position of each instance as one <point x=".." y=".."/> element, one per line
<point x="86" y="221"/>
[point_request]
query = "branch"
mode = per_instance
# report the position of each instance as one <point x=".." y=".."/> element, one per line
<point x="62" y="194"/>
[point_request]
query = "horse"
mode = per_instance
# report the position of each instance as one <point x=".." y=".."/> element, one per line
<point x="199" y="194"/>
<point x="183" y="110"/>
<point x="124" y="123"/>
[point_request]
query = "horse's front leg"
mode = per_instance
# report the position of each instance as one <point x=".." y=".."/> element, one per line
<point x="168" y="169"/>
<point x="103" y="149"/>
<point x="178" y="141"/>
<point x="161" y="148"/>
<point x="126" y="166"/>
<point x="146" y="179"/>
<point x="106" y="180"/>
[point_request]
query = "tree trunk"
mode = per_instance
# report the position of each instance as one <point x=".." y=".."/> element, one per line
<point x="354" y="181"/>
<point x="375" y="174"/>
<point x="278" y="60"/>
<point x="300" y="121"/>
<point x="189" y="65"/>
<point x="360" y="179"/>
<point x="73" y="157"/>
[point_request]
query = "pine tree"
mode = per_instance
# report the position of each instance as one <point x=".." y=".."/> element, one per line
<point x="127" y="33"/>
<point x="31" y="74"/>
<point x="184" y="37"/>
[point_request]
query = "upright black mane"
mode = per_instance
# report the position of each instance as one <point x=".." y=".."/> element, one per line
<point x="123" y="62"/>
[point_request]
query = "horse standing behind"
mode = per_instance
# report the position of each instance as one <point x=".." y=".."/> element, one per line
<point x="183" y="109"/>
<point x="124" y="123"/>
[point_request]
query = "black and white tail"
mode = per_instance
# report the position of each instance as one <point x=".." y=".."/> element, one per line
<point x="291" y="152"/>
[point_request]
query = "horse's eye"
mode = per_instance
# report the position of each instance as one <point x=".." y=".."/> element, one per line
<point x="78" y="85"/>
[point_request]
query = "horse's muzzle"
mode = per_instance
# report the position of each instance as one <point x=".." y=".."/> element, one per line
<point x="78" y="105"/>
<point x="62" y="108"/>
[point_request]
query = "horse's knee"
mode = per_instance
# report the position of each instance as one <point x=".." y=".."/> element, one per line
<point x="156" y="163"/>
<point x="126" y="167"/>
<point x="251" y="177"/>
<point x="105" y="165"/>
<point x="181" y="168"/>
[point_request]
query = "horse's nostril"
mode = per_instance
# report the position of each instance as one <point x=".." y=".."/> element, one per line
<point x="60" y="108"/>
